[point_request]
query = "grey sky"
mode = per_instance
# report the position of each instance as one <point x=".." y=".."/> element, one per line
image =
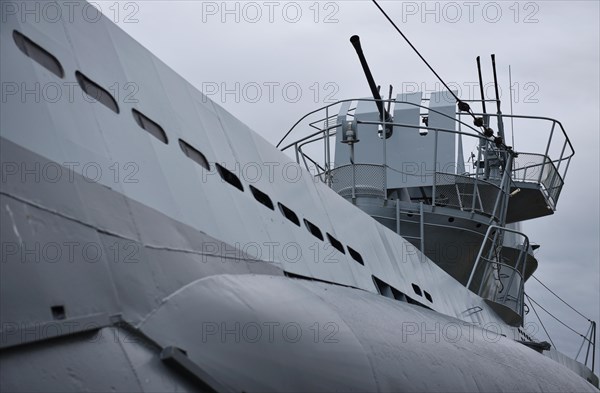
<point x="552" y="47"/>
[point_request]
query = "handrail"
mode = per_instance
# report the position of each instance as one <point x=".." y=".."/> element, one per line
<point x="550" y="171"/>
<point x="554" y="121"/>
<point x="535" y="118"/>
<point x="367" y="100"/>
<point x="549" y="144"/>
<point x="497" y="242"/>
<point x="485" y="238"/>
<point x="481" y="137"/>
<point x="477" y="134"/>
<point x="498" y="205"/>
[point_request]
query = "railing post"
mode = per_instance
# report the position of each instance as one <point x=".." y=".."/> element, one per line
<point x="435" y="148"/>
<point x="542" y="165"/>
<point x="327" y="148"/>
<point x="547" y="150"/>
<point x="594" y="347"/>
<point x="498" y="237"/>
<point x="475" y="189"/>
<point x="522" y="289"/>
<point x="475" y="265"/>
<point x="564" y="176"/>
<point x="550" y="138"/>
<point x="297" y="155"/>
<point x="353" y="173"/>
<point x="591" y="345"/>
<point x="496" y="203"/>
<point x="422" y="230"/>
<point x="304" y="160"/>
<point x="562" y="153"/>
<point x="504" y="192"/>
<point x="384" y="134"/>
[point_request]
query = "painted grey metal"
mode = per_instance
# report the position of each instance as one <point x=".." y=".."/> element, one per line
<point x="442" y="108"/>
<point x="109" y="359"/>
<point x="539" y="196"/>
<point x="178" y="249"/>
<point x="331" y="327"/>
<point x="404" y="167"/>
<point x="504" y="195"/>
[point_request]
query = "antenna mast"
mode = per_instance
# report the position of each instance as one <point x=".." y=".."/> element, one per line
<point x="499" y="112"/>
<point x="512" y="125"/>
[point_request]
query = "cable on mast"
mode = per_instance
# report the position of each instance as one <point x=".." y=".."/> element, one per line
<point x="462" y="106"/>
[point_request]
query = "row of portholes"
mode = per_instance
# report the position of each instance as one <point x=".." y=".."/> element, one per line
<point x="387" y="290"/>
<point x="288" y="213"/>
<point x="95" y="91"/>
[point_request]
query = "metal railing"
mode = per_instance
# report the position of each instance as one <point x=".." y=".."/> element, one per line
<point x="545" y="163"/>
<point x="548" y="158"/>
<point x="542" y="155"/>
<point x="537" y="168"/>
<point x="466" y="193"/>
<point x="590" y="338"/>
<point x="498" y="280"/>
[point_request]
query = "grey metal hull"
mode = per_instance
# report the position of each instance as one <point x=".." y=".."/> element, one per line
<point x="175" y="279"/>
<point x="241" y="322"/>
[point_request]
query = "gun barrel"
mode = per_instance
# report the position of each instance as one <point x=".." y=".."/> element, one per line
<point x="355" y="40"/>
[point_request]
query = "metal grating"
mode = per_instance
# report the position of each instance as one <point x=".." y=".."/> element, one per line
<point x="368" y="180"/>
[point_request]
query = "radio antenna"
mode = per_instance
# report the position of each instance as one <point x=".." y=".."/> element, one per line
<point x="512" y="125"/>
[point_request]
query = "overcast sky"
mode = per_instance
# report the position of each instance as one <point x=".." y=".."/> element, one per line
<point x="303" y="48"/>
